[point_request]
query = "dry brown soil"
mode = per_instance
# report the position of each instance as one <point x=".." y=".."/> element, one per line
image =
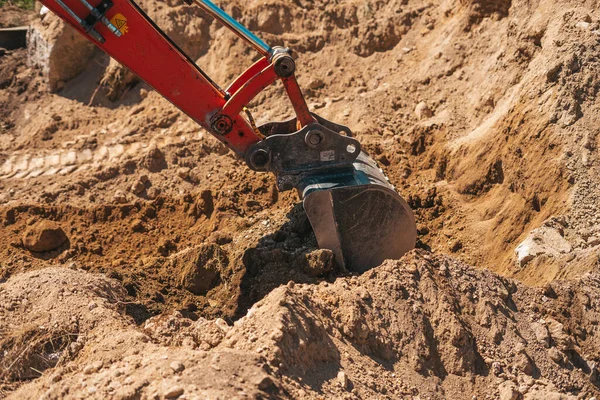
<point x="141" y="259"/>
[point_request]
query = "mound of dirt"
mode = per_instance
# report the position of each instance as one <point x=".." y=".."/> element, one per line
<point x="425" y="326"/>
<point x="483" y="115"/>
<point x="45" y="316"/>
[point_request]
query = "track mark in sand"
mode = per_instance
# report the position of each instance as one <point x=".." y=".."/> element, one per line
<point x="63" y="162"/>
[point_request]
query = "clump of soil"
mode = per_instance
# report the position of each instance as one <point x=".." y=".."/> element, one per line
<point x="43" y="237"/>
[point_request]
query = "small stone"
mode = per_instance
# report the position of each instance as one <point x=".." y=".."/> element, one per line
<point x="154" y="161"/>
<point x="75" y="347"/>
<point x="456" y="246"/>
<point x="137" y="225"/>
<point x="542" y="240"/>
<point x="594" y="374"/>
<point x="559" y="336"/>
<point x="201" y="267"/>
<point x="343" y="380"/>
<point x="541" y="333"/>
<point x="555" y="355"/>
<point x="177" y="366"/>
<point x="173" y="392"/>
<point x="143" y="93"/>
<point x="220" y="238"/>
<point x="9" y="217"/>
<point x="138" y="187"/>
<point x="316" y="84"/>
<point x="508" y="391"/>
<point x="153" y="193"/>
<point x="265" y="383"/>
<point x="184" y="173"/>
<point x="120" y="197"/>
<point x="496" y="368"/>
<point x="583" y="25"/>
<point x="423" y="111"/>
<point x="220" y="322"/>
<point x="593" y="241"/>
<point x="44" y="236"/>
<point x="412" y="268"/>
<point x="525" y="364"/>
<point x="319" y="262"/>
<point x="548" y="291"/>
<point x="92" y="368"/>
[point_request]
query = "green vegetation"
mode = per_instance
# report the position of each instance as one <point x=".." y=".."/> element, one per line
<point x="24" y="4"/>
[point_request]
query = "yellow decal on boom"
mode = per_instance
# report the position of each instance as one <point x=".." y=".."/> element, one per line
<point x="120" y="22"/>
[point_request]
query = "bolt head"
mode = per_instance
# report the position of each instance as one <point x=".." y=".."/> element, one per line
<point x="260" y="158"/>
<point x="222" y="124"/>
<point x="313" y="138"/>
<point x="284" y="66"/>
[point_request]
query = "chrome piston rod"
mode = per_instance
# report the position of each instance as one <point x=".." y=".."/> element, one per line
<point x="236" y="27"/>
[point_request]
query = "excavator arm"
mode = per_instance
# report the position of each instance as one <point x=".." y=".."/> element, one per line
<point x="129" y="36"/>
<point x="352" y="207"/>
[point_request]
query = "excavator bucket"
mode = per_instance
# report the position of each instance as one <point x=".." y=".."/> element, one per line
<point x="353" y="209"/>
<point x="358" y="215"/>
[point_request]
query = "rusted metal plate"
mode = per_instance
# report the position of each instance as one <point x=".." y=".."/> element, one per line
<point x="13" y="38"/>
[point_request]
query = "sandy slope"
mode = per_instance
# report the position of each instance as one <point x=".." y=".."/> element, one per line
<point x="504" y="142"/>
